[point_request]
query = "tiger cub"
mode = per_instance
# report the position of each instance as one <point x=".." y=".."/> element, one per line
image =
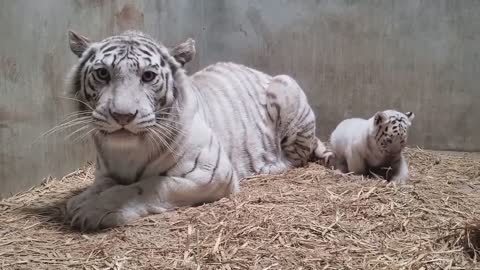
<point x="374" y="146"/>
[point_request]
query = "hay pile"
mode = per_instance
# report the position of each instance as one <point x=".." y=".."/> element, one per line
<point x="309" y="218"/>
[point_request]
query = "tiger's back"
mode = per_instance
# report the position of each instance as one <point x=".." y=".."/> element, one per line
<point x="251" y="113"/>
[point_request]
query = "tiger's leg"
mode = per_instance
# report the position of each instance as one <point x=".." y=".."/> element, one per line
<point x="123" y="204"/>
<point x="295" y="121"/>
<point x="212" y="179"/>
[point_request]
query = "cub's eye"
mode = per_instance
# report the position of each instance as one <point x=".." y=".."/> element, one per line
<point x="148" y="76"/>
<point x="102" y="74"/>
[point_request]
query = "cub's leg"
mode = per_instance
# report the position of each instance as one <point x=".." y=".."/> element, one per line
<point x="341" y="164"/>
<point x="400" y="171"/>
<point x="355" y="163"/>
<point x="288" y="109"/>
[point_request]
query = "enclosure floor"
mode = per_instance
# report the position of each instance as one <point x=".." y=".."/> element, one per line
<point x="308" y="218"/>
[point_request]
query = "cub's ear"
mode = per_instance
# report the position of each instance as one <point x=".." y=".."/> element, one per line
<point x="78" y="43"/>
<point x="410" y="115"/>
<point x="380" y="118"/>
<point x="184" y="52"/>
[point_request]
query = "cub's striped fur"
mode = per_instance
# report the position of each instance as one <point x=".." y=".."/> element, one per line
<point x="375" y="145"/>
<point x="165" y="139"/>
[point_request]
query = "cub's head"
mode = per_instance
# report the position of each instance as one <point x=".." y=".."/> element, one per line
<point x="127" y="84"/>
<point x="391" y="130"/>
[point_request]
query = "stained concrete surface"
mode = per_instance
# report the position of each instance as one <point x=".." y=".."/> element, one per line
<point x="352" y="58"/>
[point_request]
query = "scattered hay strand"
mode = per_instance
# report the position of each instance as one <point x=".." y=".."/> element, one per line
<point x="308" y="218"/>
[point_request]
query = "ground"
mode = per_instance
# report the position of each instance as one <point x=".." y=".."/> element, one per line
<point x="308" y="218"/>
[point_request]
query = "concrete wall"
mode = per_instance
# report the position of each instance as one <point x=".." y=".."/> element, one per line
<point x="352" y="58"/>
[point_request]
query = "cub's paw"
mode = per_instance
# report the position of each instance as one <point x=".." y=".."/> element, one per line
<point x="399" y="180"/>
<point x="328" y="159"/>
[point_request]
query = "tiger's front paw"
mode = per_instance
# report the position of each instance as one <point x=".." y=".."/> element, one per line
<point x="76" y="202"/>
<point x="96" y="214"/>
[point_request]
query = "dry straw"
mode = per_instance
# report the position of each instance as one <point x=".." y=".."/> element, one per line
<point x="308" y="218"/>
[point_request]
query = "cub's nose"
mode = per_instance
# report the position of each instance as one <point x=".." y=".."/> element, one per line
<point x="123" y="119"/>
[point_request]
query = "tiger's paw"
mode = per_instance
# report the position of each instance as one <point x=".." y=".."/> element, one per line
<point x="109" y="209"/>
<point x="96" y="214"/>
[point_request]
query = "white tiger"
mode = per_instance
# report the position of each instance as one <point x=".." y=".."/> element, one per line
<point x="375" y="145"/>
<point x="165" y="139"/>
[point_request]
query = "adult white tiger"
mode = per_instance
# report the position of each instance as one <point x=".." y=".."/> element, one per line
<point x="373" y="145"/>
<point x="165" y="139"/>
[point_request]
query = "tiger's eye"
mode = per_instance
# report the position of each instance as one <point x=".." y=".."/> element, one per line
<point x="102" y="74"/>
<point x="148" y="76"/>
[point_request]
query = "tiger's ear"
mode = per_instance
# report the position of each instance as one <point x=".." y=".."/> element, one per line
<point x="379" y="118"/>
<point x="410" y="115"/>
<point x="184" y="52"/>
<point x="78" y="43"/>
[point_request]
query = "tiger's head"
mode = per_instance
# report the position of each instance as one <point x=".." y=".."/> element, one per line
<point x="390" y="130"/>
<point x="127" y="84"/>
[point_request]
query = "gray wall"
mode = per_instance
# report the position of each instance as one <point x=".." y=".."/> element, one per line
<point x="352" y="58"/>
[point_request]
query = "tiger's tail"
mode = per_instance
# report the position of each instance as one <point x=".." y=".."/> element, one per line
<point x="322" y="154"/>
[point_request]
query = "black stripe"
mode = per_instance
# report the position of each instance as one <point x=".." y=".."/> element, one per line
<point x="216" y="164"/>
<point x="305" y="113"/>
<point x="308" y="126"/>
<point x="175" y="92"/>
<point x="160" y="88"/>
<point x="173" y="68"/>
<point x="145" y="52"/>
<point x="149" y="47"/>
<point x="166" y="80"/>
<point x="101" y="120"/>
<point x="268" y="114"/>
<point x="195" y="164"/>
<point x="111" y="48"/>
<point x="102" y="114"/>
<point x="303" y="147"/>
<point x="277" y="107"/>
<point x="263" y="138"/>
<point x="378" y="132"/>
<point x="143" y="122"/>
<point x="91" y="86"/>
<point x="210" y="143"/>
<point x="113" y="61"/>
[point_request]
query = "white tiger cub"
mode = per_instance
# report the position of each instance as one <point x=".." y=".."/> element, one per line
<point x="165" y="139"/>
<point x="375" y="145"/>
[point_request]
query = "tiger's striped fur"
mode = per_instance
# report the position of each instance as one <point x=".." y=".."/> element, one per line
<point x="178" y="140"/>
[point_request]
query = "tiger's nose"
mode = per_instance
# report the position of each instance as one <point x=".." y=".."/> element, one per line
<point x="123" y="119"/>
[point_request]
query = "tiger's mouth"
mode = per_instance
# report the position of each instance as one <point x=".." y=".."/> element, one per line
<point x="121" y="133"/>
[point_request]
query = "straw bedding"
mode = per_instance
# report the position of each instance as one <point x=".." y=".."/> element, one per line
<point x="308" y="218"/>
